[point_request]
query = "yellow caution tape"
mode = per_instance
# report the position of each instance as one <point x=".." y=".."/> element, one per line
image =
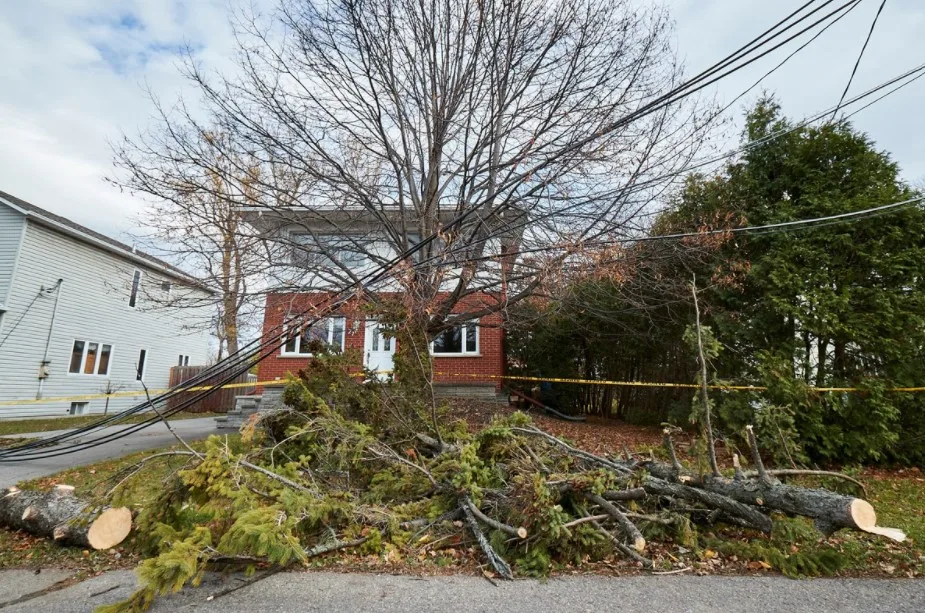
<point x="123" y="394"/>
<point x="741" y="388"/>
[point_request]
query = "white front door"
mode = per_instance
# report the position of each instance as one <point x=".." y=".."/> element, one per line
<point x="378" y="349"/>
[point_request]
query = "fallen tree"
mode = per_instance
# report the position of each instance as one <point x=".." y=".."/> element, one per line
<point x="63" y="517"/>
<point x="345" y="465"/>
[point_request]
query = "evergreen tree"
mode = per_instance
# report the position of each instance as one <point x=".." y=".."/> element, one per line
<point x="834" y="306"/>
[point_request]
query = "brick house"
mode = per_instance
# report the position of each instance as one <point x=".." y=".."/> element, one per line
<point x="468" y="359"/>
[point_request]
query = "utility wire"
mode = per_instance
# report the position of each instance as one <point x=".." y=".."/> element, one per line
<point x="247" y="359"/>
<point x="249" y="355"/>
<point x="789" y="57"/>
<point x="858" y="61"/>
<point x="24" y="313"/>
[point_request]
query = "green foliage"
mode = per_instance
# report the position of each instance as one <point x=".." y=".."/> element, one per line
<point x="837" y="305"/>
<point x="269" y="532"/>
<point x="805" y="560"/>
<point x="605" y="328"/>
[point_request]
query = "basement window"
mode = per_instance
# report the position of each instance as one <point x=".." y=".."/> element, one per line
<point x="90" y="358"/>
<point x="78" y="408"/>
<point x="458" y="340"/>
<point x="329" y="331"/>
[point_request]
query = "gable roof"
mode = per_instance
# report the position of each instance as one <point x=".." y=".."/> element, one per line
<point x="92" y="237"/>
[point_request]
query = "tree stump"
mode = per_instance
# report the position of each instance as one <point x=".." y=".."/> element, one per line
<point x="60" y="515"/>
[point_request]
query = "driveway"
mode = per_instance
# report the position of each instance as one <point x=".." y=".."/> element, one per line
<point x="150" y="438"/>
<point x="342" y="593"/>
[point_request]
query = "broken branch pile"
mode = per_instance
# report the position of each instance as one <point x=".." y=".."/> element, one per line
<point x="347" y="465"/>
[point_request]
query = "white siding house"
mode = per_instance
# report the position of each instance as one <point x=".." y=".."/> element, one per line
<point x="73" y="318"/>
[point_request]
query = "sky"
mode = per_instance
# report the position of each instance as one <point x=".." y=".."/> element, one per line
<point x="76" y="74"/>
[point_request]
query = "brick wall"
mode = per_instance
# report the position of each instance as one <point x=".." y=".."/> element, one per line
<point x="459" y="370"/>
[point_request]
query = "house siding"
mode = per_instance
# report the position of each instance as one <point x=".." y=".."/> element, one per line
<point x="11" y="226"/>
<point x="482" y="369"/>
<point x="92" y="306"/>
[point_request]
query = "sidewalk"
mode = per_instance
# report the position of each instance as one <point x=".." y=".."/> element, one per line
<point x="150" y="438"/>
<point x="341" y="593"/>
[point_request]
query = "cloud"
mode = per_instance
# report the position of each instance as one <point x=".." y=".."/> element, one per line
<point x="74" y="74"/>
<point x="814" y="79"/>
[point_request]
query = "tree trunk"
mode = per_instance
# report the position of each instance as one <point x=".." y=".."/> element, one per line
<point x="61" y="516"/>
<point x="829" y="511"/>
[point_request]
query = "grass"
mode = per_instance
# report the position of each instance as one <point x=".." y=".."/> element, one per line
<point x="21" y="550"/>
<point x="24" y="426"/>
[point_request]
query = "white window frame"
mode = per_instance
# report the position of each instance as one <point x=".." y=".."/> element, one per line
<point x="296" y="353"/>
<point x="83" y="358"/>
<point x="464" y="353"/>
<point x="182" y="359"/>
<point x="79" y="408"/>
<point x="134" y="292"/>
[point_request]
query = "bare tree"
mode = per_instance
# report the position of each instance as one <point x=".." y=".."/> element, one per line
<point x="496" y="125"/>
<point x="194" y="219"/>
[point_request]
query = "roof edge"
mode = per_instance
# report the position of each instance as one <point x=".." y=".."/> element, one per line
<point x="77" y="232"/>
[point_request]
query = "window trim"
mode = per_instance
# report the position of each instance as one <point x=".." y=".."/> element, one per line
<point x="302" y="255"/>
<point x="183" y="359"/>
<point x="135" y="289"/>
<point x="464" y="353"/>
<point x="283" y="353"/>
<point x="83" y="358"/>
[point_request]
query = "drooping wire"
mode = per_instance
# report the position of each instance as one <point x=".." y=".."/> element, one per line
<point x="258" y="350"/>
<point x="25" y="312"/>
<point x="858" y="61"/>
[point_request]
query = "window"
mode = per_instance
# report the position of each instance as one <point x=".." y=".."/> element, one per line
<point x="140" y="367"/>
<point x="329" y="331"/>
<point x="458" y="340"/>
<point x="136" y="285"/>
<point x="90" y="358"/>
<point x="183" y="361"/>
<point x="78" y="408"/>
<point x="329" y="250"/>
<point x="167" y="288"/>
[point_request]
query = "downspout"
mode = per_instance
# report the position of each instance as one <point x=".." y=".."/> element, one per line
<point x="43" y="367"/>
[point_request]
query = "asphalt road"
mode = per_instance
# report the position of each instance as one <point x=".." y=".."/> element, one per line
<point x="340" y="593"/>
<point x="150" y="438"/>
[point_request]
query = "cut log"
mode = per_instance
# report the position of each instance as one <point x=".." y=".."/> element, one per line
<point x="60" y="515"/>
<point x="829" y="511"/>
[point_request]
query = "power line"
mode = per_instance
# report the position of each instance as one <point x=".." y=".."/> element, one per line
<point x="790" y="56"/>
<point x="24" y="313"/>
<point x="858" y="61"/>
<point x="248" y="358"/>
<point x="257" y="350"/>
